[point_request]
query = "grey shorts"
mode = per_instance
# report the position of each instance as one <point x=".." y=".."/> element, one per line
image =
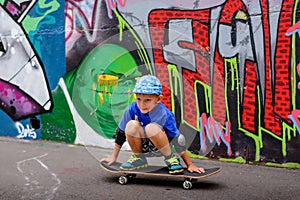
<point x="149" y="149"/>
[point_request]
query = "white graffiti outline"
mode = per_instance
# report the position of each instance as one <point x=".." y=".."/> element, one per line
<point x="49" y="194"/>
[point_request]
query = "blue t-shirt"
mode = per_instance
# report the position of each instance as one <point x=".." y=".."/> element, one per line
<point x="160" y="115"/>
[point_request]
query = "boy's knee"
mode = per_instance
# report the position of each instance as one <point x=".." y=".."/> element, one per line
<point x="152" y="129"/>
<point x="133" y="128"/>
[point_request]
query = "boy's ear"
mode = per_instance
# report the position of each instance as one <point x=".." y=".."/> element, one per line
<point x="160" y="97"/>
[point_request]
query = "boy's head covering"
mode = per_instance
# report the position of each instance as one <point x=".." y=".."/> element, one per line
<point x="148" y="84"/>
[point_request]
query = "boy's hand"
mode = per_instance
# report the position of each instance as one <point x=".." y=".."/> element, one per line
<point x="110" y="160"/>
<point x="194" y="168"/>
<point x="191" y="167"/>
<point x="113" y="157"/>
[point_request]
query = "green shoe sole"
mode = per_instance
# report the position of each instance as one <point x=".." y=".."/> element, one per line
<point x="134" y="168"/>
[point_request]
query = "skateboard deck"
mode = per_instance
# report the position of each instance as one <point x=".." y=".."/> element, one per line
<point x="162" y="171"/>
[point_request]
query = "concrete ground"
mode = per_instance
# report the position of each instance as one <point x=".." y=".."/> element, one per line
<point x="49" y="170"/>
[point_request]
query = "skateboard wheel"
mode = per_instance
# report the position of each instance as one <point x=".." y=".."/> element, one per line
<point x="123" y="180"/>
<point x="187" y="185"/>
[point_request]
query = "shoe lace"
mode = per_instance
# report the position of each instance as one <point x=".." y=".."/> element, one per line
<point x="173" y="161"/>
<point x="133" y="158"/>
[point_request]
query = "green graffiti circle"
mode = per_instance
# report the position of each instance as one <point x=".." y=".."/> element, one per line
<point x="102" y="86"/>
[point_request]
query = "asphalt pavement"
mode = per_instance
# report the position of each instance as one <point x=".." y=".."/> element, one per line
<point x="48" y="170"/>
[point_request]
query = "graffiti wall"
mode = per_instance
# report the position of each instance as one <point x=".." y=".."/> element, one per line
<point x="230" y="71"/>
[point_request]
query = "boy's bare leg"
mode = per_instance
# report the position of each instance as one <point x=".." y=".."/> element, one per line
<point x="158" y="138"/>
<point x="134" y="134"/>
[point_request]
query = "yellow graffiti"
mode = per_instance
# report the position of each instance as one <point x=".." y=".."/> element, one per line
<point x="106" y="85"/>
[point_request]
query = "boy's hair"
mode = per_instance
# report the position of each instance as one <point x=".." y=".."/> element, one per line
<point x="148" y="84"/>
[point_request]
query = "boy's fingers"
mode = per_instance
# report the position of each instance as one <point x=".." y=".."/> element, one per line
<point x="111" y="162"/>
<point x="198" y="170"/>
<point x="202" y="170"/>
<point x="103" y="160"/>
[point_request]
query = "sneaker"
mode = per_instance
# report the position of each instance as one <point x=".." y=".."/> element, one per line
<point x="134" y="163"/>
<point x="174" y="165"/>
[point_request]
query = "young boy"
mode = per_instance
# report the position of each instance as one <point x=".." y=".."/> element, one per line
<point x="149" y="127"/>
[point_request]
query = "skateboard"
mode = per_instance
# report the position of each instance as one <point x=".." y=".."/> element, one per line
<point x="162" y="171"/>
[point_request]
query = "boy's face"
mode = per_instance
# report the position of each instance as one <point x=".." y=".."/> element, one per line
<point x="147" y="102"/>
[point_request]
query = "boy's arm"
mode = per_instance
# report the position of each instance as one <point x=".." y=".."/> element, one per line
<point x="180" y="146"/>
<point x="189" y="163"/>
<point x="120" y="138"/>
<point x="113" y="157"/>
